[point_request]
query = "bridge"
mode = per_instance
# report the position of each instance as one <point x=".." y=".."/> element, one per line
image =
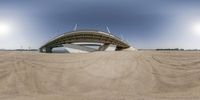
<point x="82" y="40"/>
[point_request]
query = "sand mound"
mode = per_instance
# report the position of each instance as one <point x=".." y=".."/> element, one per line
<point x="124" y="75"/>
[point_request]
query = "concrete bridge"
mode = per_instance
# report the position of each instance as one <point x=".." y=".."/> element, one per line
<point x="82" y="40"/>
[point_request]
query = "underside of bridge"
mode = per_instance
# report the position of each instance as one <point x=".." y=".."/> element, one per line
<point x="86" y="41"/>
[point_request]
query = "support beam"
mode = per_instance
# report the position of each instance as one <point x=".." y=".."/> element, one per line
<point x="46" y="50"/>
<point x="107" y="47"/>
<point x="79" y="48"/>
<point x="49" y="50"/>
<point x="104" y="47"/>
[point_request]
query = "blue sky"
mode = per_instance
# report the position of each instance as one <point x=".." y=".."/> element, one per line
<point x="144" y="23"/>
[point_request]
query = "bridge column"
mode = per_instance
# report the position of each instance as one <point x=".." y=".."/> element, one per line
<point x="104" y="47"/>
<point x="46" y="50"/>
<point x="107" y="47"/>
<point x="41" y="50"/>
<point x="49" y="50"/>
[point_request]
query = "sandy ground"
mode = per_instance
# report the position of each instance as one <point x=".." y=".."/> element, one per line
<point x="124" y="75"/>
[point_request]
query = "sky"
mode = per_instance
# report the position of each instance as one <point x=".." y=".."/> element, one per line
<point x="145" y="24"/>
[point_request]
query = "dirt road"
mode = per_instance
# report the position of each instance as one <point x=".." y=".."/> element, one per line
<point x="124" y="75"/>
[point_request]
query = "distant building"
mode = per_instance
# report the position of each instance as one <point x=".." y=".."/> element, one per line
<point x="174" y="49"/>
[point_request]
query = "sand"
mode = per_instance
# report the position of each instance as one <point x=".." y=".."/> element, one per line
<point x="123" y="75"/>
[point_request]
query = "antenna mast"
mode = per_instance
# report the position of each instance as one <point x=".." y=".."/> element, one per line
<point x="122" y="37"/>
<point x="75" y="28"/>
<point x="108" y="29"/>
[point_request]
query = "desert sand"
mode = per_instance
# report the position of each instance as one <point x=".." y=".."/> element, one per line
<point x="122" y="75"/>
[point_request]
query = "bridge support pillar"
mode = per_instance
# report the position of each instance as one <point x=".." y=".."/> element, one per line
<point x="104" y="47"/>
<point x="107" y="47"/>
<point x="49" y="50"/>
<point x="41" y="50"/>
<point x="46" y="50"/>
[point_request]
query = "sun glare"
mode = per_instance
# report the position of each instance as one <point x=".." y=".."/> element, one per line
<point x="4" y="28"/>
<point x="196" y="29"/>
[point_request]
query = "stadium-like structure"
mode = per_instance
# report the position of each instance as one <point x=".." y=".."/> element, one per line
<point x="85" y="41"/>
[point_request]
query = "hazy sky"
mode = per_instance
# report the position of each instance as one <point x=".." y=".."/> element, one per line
<point x="144" y="23"/>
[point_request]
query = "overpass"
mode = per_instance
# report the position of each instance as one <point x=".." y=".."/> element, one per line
<point x="83" y="39"/>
